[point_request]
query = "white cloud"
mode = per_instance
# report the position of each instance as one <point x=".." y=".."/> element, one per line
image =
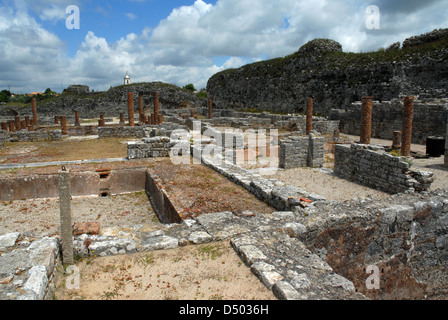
<point x="131" y="16"/>
<point x="182" y="47"/>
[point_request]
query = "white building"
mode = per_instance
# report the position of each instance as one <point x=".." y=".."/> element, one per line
<point x="127" y="79"/>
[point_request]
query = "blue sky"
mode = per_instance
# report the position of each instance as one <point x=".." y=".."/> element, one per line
<point x="185" y="41"/>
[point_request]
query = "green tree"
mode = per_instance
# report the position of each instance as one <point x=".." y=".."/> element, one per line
<point x="190" y="87"/>
<point x="4" y="96"/>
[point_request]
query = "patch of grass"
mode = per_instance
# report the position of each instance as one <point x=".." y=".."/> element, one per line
<point x="212" y="251"/>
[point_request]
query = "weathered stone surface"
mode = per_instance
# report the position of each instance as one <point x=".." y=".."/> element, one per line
<point x="8" y="240"/>
<point x="37" y="282"/>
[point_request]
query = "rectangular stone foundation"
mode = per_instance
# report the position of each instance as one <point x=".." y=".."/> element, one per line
<point x="305" y="151"/>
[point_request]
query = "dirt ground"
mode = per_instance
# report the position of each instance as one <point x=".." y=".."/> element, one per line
<point x="40" y="217"/>
<point x="205" y="272"/>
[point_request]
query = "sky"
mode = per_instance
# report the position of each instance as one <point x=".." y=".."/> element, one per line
<point x="44" y="45"/>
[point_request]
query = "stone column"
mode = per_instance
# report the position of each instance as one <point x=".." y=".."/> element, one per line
<point x="396" y="140"/>
<point x="77" y="122"/>
<point x="192" y="113"/>
<point x="210" y="109"/>
<point x="12" y="126"/>
<point x="33" y="101"/>
<point x="131" y="108"/>
<point x="18" y="124"/>
<point x="406" y="132"/>
<point x="64" y="125"/>
<point x="156" y="108"/>
<point x="65" y="217"/>
<point x="366" y="120"/>
<point x="309" y="115"/>
<point x="140" y="107"/>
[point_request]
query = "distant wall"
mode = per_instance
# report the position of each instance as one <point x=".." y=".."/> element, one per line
<point x="429" y="119"/>
<point x="378" y="169"/>
<point x="34" y="136"/>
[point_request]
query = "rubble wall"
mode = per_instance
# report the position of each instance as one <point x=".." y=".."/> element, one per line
<point x="375" y="168"/>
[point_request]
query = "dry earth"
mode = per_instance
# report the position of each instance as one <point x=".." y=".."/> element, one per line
<point x="205" y="272"/>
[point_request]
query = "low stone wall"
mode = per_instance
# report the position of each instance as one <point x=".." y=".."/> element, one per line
<point x="159" y="200"/>
<point x="35" y="136"/>
<point x="150" y="148"/>
<point x="121" y="132"/>
<point x="272" y="191"/>
<point x="373" y="167"/>
<point x="305" y="151"/>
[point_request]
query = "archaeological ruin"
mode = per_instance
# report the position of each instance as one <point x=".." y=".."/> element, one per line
<point x="381" y="128"/>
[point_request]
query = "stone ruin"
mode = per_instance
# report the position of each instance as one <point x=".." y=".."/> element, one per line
<point x="310" y="248"/>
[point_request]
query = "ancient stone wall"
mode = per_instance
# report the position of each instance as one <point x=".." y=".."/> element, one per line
<point x="35" y="136"/>
<point x="404" y="237"/>
<point x="429" y="119"/>
<point x="150" y="148"/>
<point x="121" y="132"/>
<point x="304" y="151"/>
<point x="334" y="79"/>
<point x="373" y="167"/>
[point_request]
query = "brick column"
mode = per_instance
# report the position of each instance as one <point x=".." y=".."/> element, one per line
<point x="12" y="126"/>
<point x="56" y="120"/>
<point x="33" y="101"/>
<point x="30" y="127"/>
<point x="156" y="108"/>
<point x="64" y="125"/>
<point x="18" y="124"/>
<point x="22" y="124"/>
<point x="210" y="108"/>
<point x="77" y="122"/>
<point x="101" y="122"/>
<point x="309" y="115"/>
<point x="5" y="126"/>
<point x="366" y="120"/>
<point x="131" y="108"/>
<point x="27" y="121"/>
<point x="140" y="107"/>
<point x="406" y="132"/>
<point x="121" y="118"/>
